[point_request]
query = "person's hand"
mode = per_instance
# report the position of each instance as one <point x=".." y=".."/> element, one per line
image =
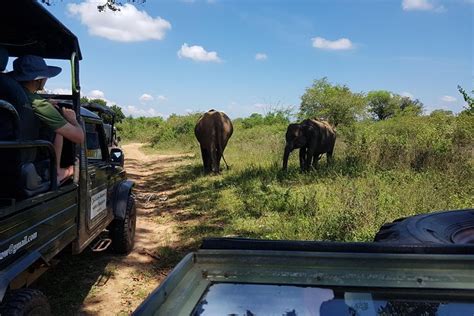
<point x="70" y="116"/>
<point x="54" y="103"/>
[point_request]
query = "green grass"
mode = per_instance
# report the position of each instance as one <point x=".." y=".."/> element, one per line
<point x="382" y="171"/>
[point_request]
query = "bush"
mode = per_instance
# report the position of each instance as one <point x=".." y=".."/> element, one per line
<point x="176" y="131"/>
<point x="271" y="118"/>
<point x="139" y="129"/>
<point x="411" y="142"/>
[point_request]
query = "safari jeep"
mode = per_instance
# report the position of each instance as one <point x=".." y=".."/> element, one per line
<point x="233" y="276"/>
<point x="38" y="217"/>
<point x="419" y="265"/>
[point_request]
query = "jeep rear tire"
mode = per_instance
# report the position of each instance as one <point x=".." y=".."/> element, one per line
<point x="25" y="302"/>
<point x="446" y="227"/>
<point x="123" y="230"/>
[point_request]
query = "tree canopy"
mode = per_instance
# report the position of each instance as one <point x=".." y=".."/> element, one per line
<point x="469" y="99"/>
<point x="113" y="5"/>
<point x="336" y="103"/>
<point x="119" y="116"/>
<point x="384" y="104"/>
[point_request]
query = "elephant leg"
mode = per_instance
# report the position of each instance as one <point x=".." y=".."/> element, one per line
<point x="309" y="158"/>
<point x="329" y="157"/>
<point x="206" y="159"/>
<point x="302" y="158"/>
<point x="218" y="160"/>
<point x="316" y="158"/>
<point x="214" y="161"/>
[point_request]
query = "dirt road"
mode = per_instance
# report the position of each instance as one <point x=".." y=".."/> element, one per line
<point x="106" y="284"/>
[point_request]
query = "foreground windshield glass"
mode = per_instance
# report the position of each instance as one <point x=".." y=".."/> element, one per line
<point x="252" y="299"/>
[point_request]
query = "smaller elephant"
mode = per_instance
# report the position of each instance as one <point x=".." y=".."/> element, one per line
<point x="213" y="131"/>
<point x="314" y="138"/>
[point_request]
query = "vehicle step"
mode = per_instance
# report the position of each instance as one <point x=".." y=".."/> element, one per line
<point x="101" y="245"/>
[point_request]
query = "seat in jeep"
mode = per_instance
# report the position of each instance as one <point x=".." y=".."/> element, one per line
<point x="22" y="175"/>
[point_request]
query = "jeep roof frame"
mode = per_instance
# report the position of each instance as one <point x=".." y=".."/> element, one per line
<point x="34" y="30"/>
<point x="43" y="34"/>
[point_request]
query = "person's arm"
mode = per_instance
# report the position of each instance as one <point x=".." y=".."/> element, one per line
<point x="66" y="125"/>
<point x="71" y="130"/>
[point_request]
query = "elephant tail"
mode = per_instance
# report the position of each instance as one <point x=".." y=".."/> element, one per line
<point x="219" y="139"/>
<point x="223" y="158"/>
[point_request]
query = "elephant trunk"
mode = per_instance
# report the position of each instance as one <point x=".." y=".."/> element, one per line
<point x="286" y="155"/>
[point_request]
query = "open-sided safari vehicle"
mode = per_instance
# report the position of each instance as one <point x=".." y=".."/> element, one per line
<point x="38" y="217"/>
<point x="421" y="265"/>
<point x="108" y="117"/>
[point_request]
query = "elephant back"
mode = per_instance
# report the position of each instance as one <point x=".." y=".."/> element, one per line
<point x="213" y="122"/>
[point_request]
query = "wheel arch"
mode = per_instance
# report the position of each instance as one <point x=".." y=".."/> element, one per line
<point x="14" y="270"/>
<point x="122" y="191"/>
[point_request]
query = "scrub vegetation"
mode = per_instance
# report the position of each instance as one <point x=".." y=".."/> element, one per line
<point x="385" y="168"/>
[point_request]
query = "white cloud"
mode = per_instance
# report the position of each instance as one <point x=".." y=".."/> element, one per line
<point x="59" y="91"/>
<point x="162" y="98"/>
<point x="448" y="98"/>
<point x="137" y="112"/>
<point x="407" y="94"/>
<point x="146" y="97"/>
<point x="421" y="5"/>
<point x="96" y="94"/>
<point x="188" y="111"/>
<point x="261" y="56"/>
<point x="127" y="25"/>
<point x="197" y="53"/>
<point x="340" y="44"/>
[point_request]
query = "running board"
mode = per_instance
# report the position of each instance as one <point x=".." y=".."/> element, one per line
<point x="101" y="245"/>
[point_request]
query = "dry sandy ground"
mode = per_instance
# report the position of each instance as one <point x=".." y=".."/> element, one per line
<point x="135" y="275"/>
<point x="106" y="284"/>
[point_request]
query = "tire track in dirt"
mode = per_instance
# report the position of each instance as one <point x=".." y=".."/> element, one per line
<point x="136" y="275"/>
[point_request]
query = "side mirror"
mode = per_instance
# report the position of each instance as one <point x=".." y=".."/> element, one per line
<point x="117" y="157"/>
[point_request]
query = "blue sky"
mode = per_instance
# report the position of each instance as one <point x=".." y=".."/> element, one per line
<point x="164" y="57"/>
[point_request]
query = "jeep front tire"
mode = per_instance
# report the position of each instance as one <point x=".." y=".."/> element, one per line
<point x="25" y="302"/>
<point x="123" y="230"/>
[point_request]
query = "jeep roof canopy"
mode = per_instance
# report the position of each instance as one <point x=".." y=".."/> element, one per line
<point x="27" y="28"/>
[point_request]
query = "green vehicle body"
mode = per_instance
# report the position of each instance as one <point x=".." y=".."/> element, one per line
<point x="34" y="230"/>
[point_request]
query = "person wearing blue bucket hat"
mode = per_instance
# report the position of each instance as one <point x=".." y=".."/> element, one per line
<point x="32" y="72"/>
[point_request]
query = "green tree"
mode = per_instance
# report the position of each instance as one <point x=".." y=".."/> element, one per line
<point x="381" y="104"/>
<point x="119" y="116"/>
<point x="385" y="104"/>
<point x="336" y="103"/>
<point x="469" y="100"/>
<point x="113" y="5"/>
<point x="407" y="106"/>
<point x="441" y="112"/>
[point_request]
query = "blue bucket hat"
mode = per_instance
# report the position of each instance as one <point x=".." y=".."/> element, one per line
<point x="3" y="58"/>
<point x="31" y="67"/>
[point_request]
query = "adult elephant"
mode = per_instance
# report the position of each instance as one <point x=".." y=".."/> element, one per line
<point x="213" y="131"/>
<point x="314" y="138"/>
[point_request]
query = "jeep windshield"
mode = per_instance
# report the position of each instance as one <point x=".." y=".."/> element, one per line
<point x="266" y="299"/>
